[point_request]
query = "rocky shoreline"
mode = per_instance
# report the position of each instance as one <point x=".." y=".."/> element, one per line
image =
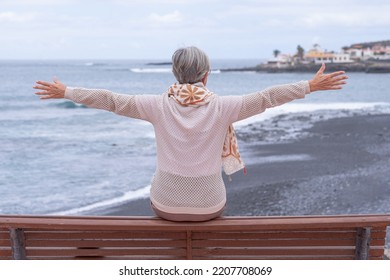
<point x="367" y="67"/>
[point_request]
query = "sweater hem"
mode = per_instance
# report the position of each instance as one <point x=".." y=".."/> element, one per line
<point x="189" y="210"/>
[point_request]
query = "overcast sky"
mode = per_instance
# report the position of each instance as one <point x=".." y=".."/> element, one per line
<point x="153" y="29"/>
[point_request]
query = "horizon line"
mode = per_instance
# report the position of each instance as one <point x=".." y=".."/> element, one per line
<point x="100" y="59"/>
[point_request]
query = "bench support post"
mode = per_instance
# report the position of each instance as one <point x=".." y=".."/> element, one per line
<point x="17" y="244"/>
<point x="363" y="239"/>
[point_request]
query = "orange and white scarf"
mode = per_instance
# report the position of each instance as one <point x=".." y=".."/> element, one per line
<point x="196" y="95"/>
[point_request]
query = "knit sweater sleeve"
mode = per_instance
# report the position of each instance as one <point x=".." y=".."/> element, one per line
<point x="121" y="104"/>
<point x="258" y="102"/>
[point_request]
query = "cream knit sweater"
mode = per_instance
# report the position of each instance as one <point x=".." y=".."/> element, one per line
<point x="188" y="177"/>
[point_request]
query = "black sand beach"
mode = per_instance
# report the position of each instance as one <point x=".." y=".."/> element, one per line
<point x="339" y="166"/>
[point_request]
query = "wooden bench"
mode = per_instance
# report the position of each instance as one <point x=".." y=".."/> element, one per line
<point x="306" y="237"/>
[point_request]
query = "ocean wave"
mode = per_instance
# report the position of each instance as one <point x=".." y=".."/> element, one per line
<point x="151" y="70"/>
<point x="69" y="105"/>
<point x="129" y="196"/>
<point x="89" y="64"/>
<point x="334" y="110"/>
<point x="288" y="122"/>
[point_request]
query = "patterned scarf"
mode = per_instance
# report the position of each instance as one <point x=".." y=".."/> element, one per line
<point x="196" y="95"/>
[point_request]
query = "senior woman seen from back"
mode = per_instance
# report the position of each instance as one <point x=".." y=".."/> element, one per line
<point x="193" y="128"/>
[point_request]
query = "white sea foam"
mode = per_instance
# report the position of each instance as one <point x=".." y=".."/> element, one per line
<point x="151" y="70"/>
<point x="290" y="122"/>
<point x="129" y="196"/>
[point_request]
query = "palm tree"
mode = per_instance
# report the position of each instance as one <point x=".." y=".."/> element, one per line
<point x="300" y="52"/>
<point x="276" y="53"/>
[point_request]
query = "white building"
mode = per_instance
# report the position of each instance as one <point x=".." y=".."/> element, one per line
<point x="373" y="51"/>
<point x="341" y="58"/>
<point x="281" y="61"/>
<point x="359" y="53"/>
<point x="318" y="56"/>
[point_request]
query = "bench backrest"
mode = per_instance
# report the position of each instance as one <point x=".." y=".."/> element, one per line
<point x="308" y="237"/>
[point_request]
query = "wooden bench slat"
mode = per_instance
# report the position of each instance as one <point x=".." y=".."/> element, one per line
<point x="348" y="251"/>
<point x="284" y="235"/>
<point x="273" y="243"/>
<point x="31" y="234"/>
<point x="376" y="251"/>
<point x="315" y="251"/>
<point x="105" y="243"/>
<point x="378" y="234"/>
<point x="275" y="235"/>
<point x="101" y="233"/>
<point x="104" y="252"/>
<point x="5" y="253"/>
<point x="5" y="242"/>
<point x="196" y="243"/>
<point x="220" y="224"/>
<point x="378" y="242"/>
<point x="379" y="228"/>
<point x="49" y="234"/>
<point x="316" y="233"/>
<point x="376" y="258"/>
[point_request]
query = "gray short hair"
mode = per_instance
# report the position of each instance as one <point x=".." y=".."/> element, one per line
<point x="190" y="64"/>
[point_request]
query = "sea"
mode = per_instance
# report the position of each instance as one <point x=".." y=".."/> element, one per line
<point x="58" y="157"/>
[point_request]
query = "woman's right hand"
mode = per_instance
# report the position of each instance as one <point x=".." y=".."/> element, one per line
<point x="50" y="90"/>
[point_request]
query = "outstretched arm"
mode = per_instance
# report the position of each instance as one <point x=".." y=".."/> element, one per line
<point x="258" y="102"/>
<point x="121" y="104"/>
<point x="142" y="107"/>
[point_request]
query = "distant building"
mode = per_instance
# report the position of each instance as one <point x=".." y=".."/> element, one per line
<point x="357" y="52"/>
<point x="318" y="56"/>
<point x="281" y="61"/>
<point x="381" y="52"/>
<point x="369" y="51"/>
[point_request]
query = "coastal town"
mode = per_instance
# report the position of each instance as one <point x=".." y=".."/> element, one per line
<point x="371" y="57"/>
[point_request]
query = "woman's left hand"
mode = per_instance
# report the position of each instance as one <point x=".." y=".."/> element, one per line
<point x="330" y="81"/>
<point x="50" y="90"/>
